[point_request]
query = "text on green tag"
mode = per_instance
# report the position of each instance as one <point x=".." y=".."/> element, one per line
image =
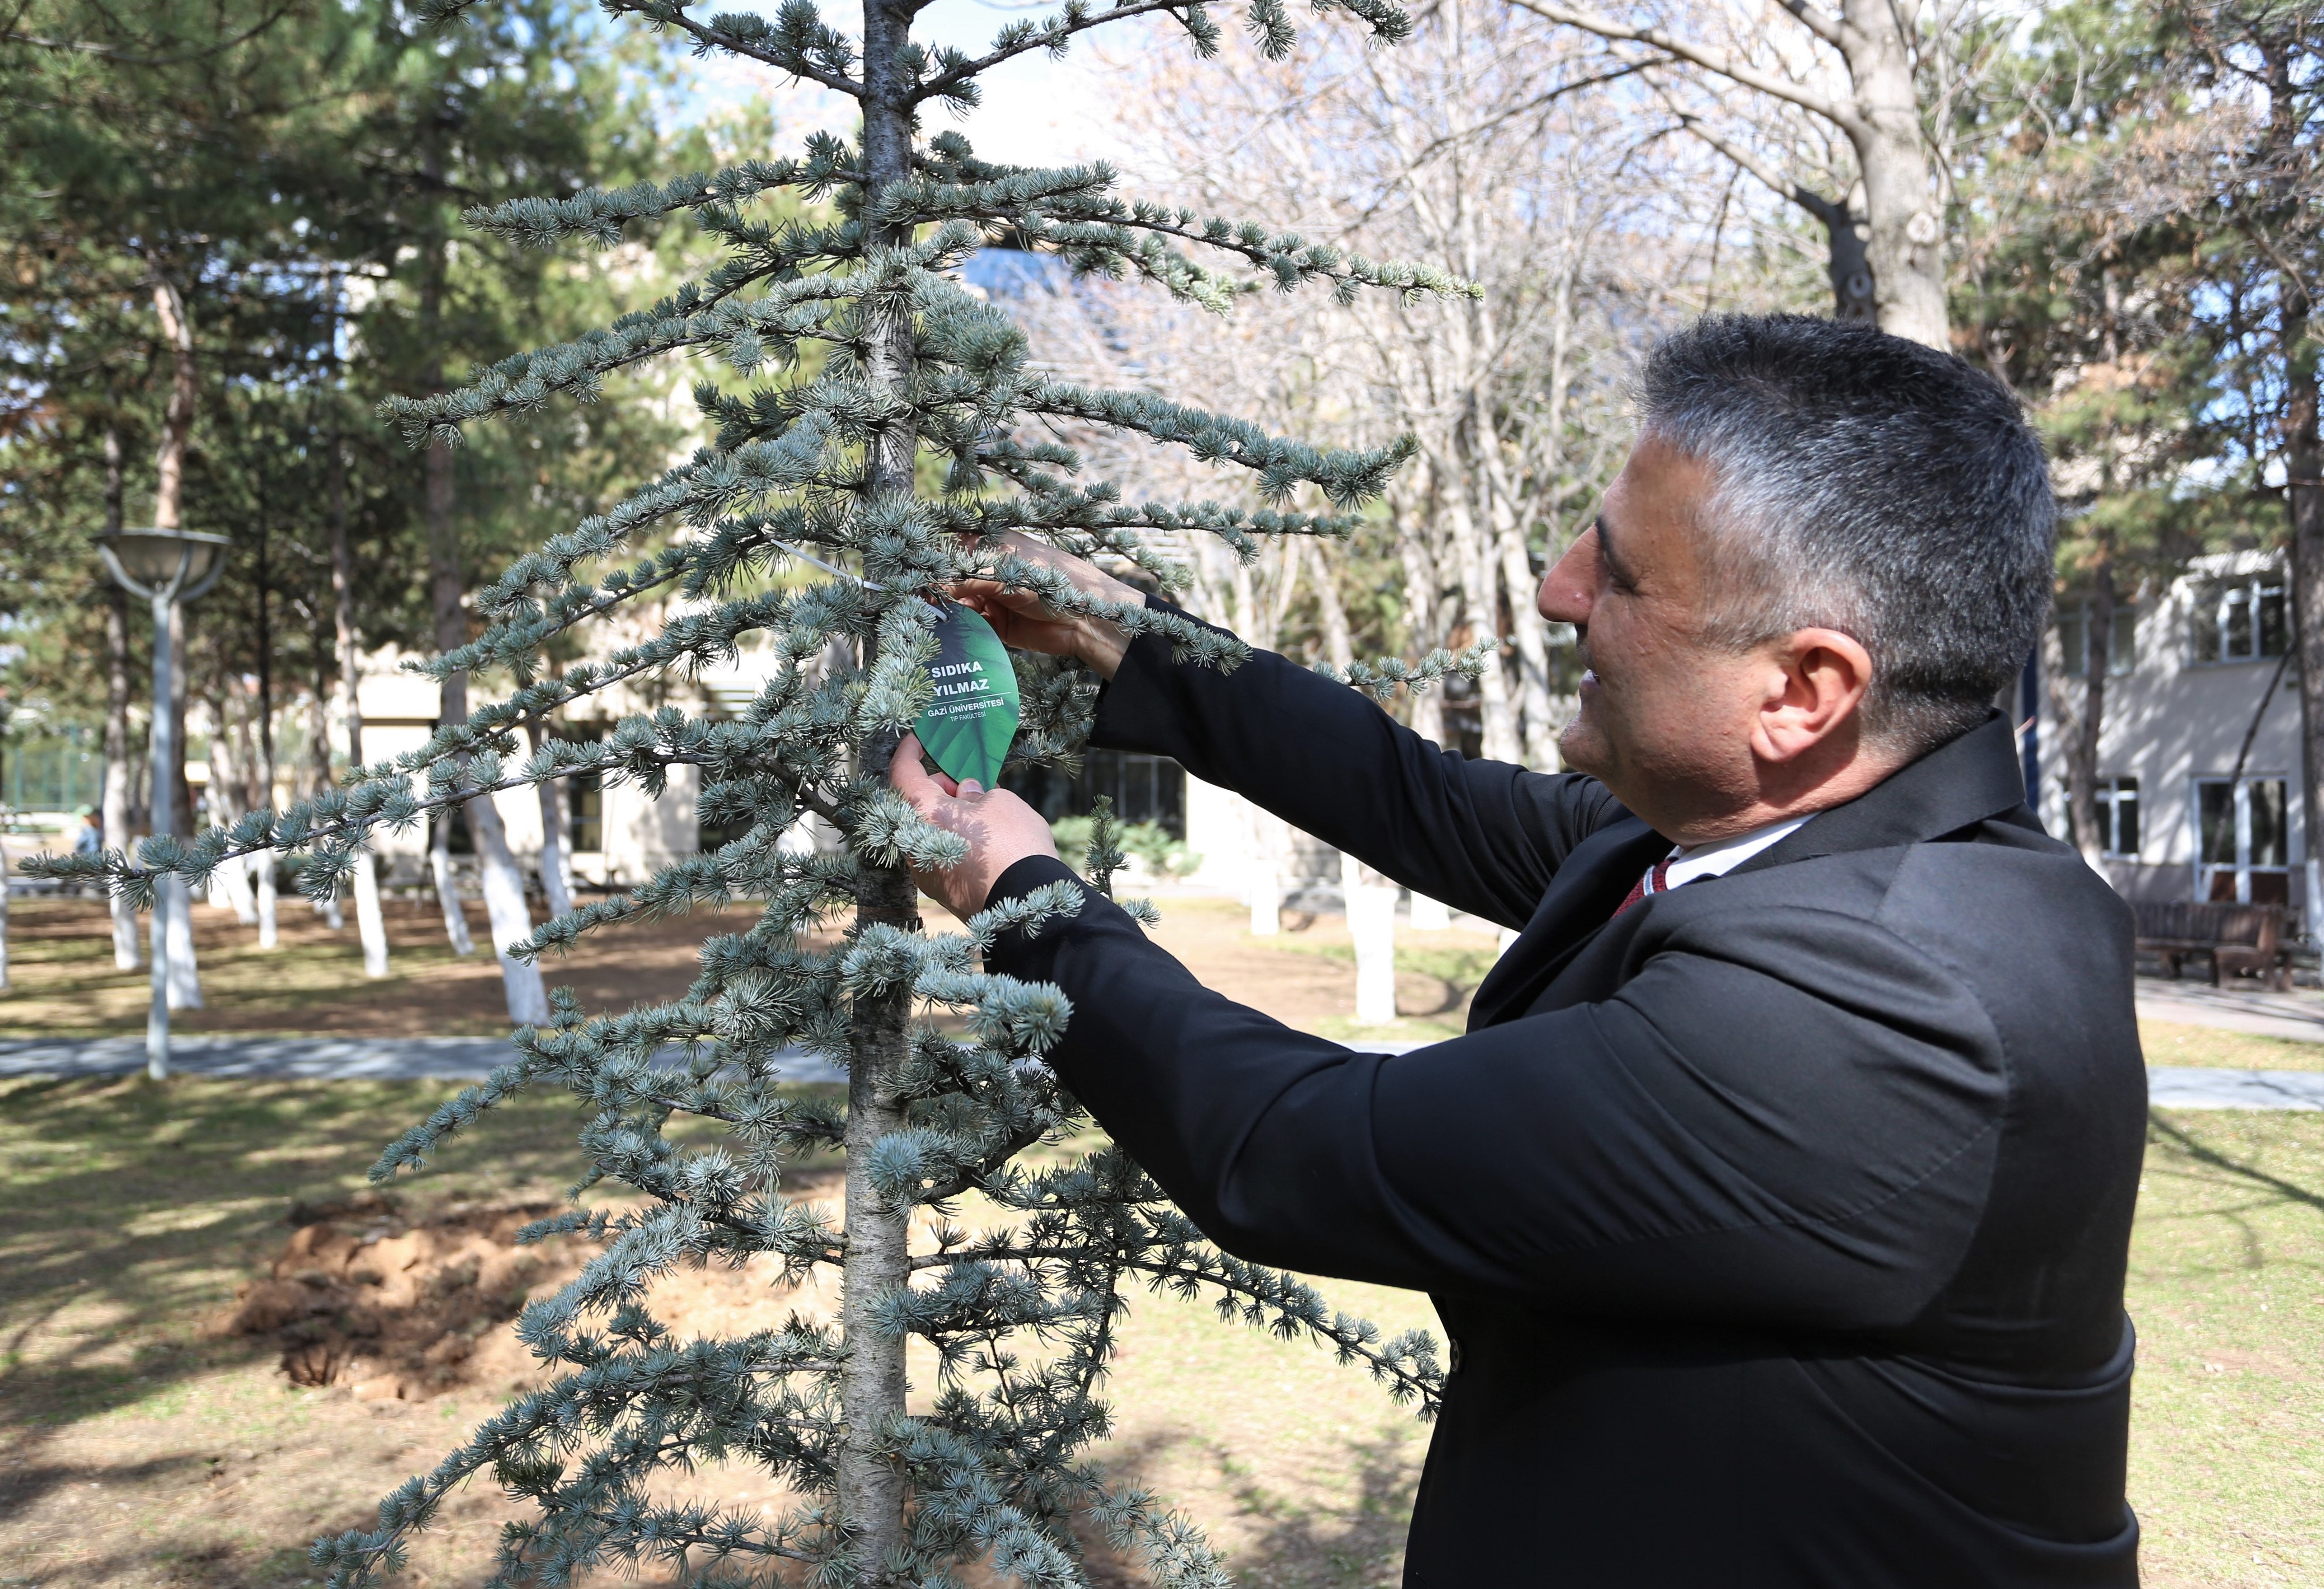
<point x="968" y="727"/>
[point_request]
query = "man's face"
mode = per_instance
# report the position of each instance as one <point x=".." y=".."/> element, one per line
<point x="1666" y="717"/>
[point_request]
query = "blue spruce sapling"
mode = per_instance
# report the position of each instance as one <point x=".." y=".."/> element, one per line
<point x="916" y="377"/>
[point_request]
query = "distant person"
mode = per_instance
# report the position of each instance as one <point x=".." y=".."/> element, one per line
<point x="90" y="839"/>
<point x="1778" y="1200"/>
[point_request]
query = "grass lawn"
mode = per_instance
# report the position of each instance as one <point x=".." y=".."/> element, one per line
<point x="2168" y="1043"/>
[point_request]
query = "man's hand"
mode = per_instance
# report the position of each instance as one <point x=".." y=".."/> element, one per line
<point x="1001" y="829"/>
<point x="1023" y="620"/>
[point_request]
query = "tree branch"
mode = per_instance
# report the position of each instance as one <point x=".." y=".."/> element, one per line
<point x="1709" y="60"/>
<point x="1799" y="193"/>
<point x="1821" y="23"/>
<point x="1051" y="37"/>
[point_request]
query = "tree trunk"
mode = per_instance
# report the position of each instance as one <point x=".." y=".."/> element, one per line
<point x="505" y="911"/>
<point x="1905" y="250"/>
<point x="230" y="883"/>
<point x="1480" y="611"/>
<point x="869" y="1484"/>
<point x="1424" y="629"/>
<point x="556" y="853"/>
<point x="448" y="887"/>
<point x="114" y="813"/>
<point x="1538" y="743"/>
<point x="370" y="921"/>
<point x="2082" y="750"/>
<point x="1371" y="898"/>
<point x="177" y="417"/>
<point x="2303" y="461"/>
<point x="182" y="978"/>
<point x="264" y="862"/>
<point x="506" y="914"/>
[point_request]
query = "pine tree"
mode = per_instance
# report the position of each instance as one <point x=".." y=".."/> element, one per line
<point x="897" y="431"/>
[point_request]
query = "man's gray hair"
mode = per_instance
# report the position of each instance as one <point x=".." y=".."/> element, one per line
<point x="1866" y="484"/>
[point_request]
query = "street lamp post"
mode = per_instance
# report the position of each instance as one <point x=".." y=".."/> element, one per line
<point x="166" y="566"/>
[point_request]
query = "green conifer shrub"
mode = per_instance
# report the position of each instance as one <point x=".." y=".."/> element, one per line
<point x="821" y="473"/>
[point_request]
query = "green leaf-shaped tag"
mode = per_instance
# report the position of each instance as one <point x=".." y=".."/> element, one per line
<point x="968" y="727"/>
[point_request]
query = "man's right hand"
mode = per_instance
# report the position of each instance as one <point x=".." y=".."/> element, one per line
<point x="1022" y="620"/>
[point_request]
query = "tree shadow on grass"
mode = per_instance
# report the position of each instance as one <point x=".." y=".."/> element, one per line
<point x="1291" y="1541"/>
<point x="2178" y="1140"/>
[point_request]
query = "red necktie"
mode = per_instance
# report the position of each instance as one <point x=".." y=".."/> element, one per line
<point x="1638" y="889"/>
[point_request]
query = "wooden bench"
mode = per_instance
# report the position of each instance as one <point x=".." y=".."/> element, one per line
<point x="2236" y="937"/>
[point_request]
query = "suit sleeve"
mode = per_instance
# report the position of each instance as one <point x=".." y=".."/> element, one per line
<point x="1640" y="1156"/>
<point x="1482" y="836"/>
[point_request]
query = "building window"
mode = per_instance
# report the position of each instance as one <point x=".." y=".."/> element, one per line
<point x="2117" y="803"/>
<point x="2074" y="640"/>
<point x="585" y="812"/>
<point x="1144" y="788"/>
<point x="2243" y="840"/>
<point x="2242" y="620"/>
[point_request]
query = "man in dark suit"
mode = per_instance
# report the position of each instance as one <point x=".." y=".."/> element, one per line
<point x="1777" y="1202"/>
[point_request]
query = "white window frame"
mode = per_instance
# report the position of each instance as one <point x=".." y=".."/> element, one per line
<point x="2122" y="657"/>
<point x="2242" y="868"/>
<point x="2213" y="597"/>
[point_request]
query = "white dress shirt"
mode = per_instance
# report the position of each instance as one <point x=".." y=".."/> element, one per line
<point x="1687" y="862"/>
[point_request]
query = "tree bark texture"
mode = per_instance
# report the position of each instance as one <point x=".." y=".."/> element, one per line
<point x="556" y="853"/>
<point x="1903" y="239"/>
<point x="113" y="812"/>
<point x="263" y="863"/>
<point x="870" y="1486"/>
<point x="506" y="913"/>
<point x="1905" y="248"/>
<point x="2303" y="461"/>
<point x="176" y="933"/>
<point x="185" y="980"/>
<point x="177" y="417"/>
<point x="2089" y="723"/>
<point x="370" y="921"/>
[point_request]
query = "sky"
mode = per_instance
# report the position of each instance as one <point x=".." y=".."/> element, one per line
<point x="1038" y="111"/>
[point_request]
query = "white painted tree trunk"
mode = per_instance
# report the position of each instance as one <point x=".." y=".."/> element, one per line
<point x="1429" y="915"/>
<point x="125" y="948"/>
<point x="185" y="983"/>
<point x="447" y="889"/>
<point x="263" y="865"/>
<point x="115" y="811"/>
<point x="1371" y="923"/>
<point x="555" y="855"/>
<point x="370" y="922"/>
<point x="505" y="906"/>
<point x="1265" y="898"/>
<point x="4" y="917"/>
<point x="232" y="881"/>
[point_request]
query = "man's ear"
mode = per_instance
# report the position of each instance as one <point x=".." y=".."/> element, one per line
<point x="1817" y="680"/>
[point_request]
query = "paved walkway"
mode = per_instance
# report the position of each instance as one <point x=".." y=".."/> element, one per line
<point x="2299" y="1016"/>
<point x="301" y="1059"/>
<point x="469" y="1058"/>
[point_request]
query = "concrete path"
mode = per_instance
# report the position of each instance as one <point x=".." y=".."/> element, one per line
<point x="469" y="1058"/>
<point x="2299" y="1016"/>
<point x="303" y="1058"/>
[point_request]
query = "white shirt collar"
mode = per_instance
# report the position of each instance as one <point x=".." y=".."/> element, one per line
<point x="1688" y="861"/>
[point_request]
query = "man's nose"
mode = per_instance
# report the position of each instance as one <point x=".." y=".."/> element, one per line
<point x="1570" y="585"/>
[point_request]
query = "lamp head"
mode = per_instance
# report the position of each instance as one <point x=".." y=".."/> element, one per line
<point x="150" y="562"/>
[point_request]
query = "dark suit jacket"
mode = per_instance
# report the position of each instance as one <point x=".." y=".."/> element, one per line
<point x="1778" y="1224"/>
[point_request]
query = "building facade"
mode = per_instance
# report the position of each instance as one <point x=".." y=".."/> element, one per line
<point x="2199" y="747"/>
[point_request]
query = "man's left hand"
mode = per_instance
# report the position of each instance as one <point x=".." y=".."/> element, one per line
<point x="1001" y="829"/>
